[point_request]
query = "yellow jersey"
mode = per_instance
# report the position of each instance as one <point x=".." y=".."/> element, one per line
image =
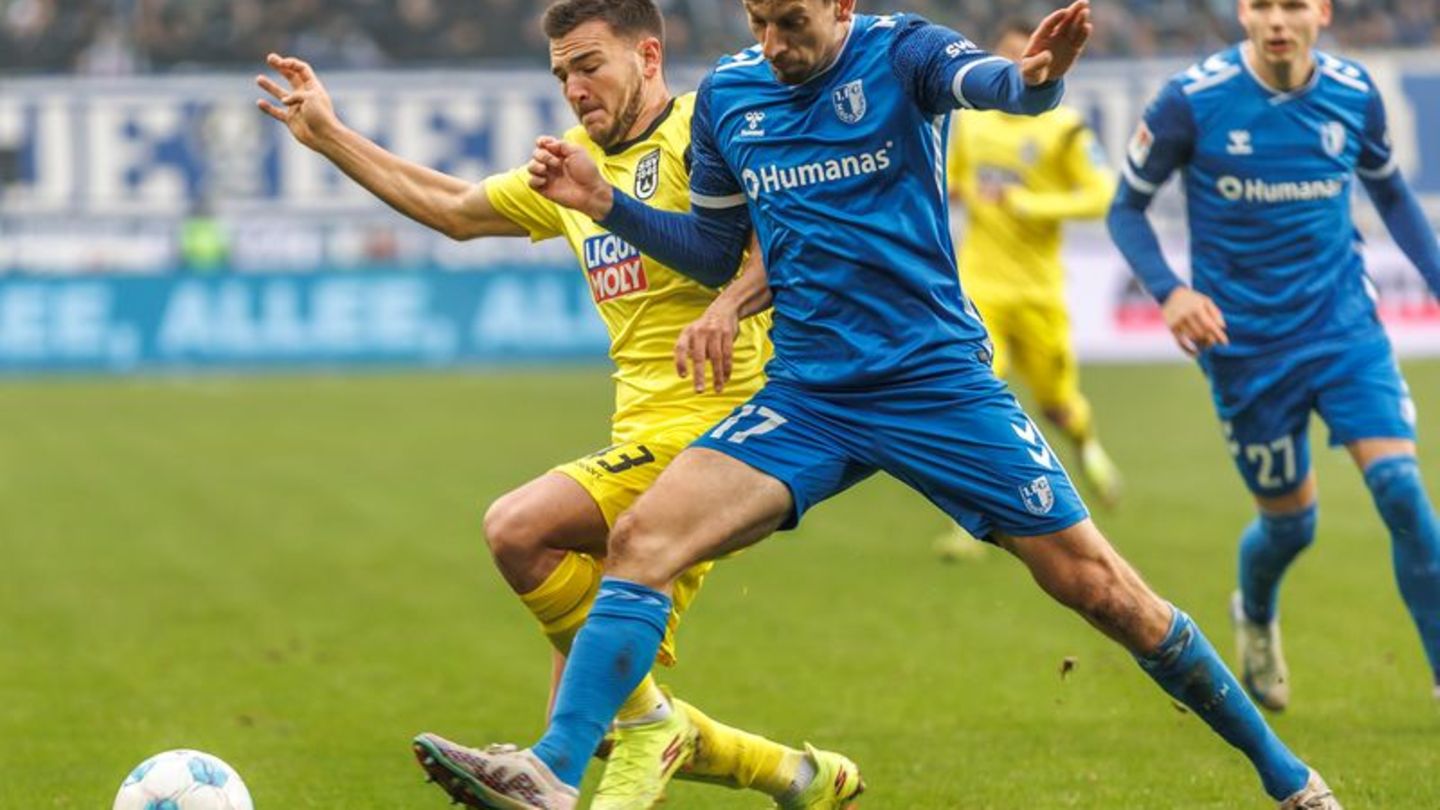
<point x="643" y="303"/>
<point x="1051" y="170"/>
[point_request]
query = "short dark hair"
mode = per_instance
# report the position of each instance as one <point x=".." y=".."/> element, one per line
<point x="625" y="17"/>
<point x="1013" y="25"/>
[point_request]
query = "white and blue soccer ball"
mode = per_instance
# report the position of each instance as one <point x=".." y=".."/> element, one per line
<point x="183" y="780"/>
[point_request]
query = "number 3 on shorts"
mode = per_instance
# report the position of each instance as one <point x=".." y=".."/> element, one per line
<point x="768" y="421"/>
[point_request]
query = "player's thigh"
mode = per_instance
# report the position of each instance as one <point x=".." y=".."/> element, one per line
<point x="705" y="505"/>
<point x="756" y="471"/>
<point x="1265" y="420"/>
<point x="973" y="451"/>
<point x="1045" y="355"/>
<point x="1363" y="397"/>
<point x="553" y="511"/>
<point x="615" y="478"/>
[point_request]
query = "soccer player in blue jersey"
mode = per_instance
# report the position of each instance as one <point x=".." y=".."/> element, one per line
<point x="830" y="136"/>
<point x="1270" y="135"/>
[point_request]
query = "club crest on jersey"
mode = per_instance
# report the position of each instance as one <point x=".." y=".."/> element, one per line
<point x="647" y="176"/>
<point x="614" y="267"/>
<point x="1332" y="137"/>
<point x="1039" y="498"/>
<point x="850" y="101"/>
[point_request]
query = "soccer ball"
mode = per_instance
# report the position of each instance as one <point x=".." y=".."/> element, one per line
<point x="183" y="780"/>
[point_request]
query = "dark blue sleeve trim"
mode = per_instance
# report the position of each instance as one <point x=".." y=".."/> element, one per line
<point x="705" y="245"/>
<point x="1133" y="234"/>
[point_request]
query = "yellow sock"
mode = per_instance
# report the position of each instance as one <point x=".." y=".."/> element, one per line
<point x="562" y="602"/>
<point x="740" y="759"/>
<point x="646" y="698"/>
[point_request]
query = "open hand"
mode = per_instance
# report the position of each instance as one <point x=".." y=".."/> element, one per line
<point x="1194" y="320"/>
<point x="1056" y="44"/>
<point x="307" y="110"/>
<point x="709" y="339"/>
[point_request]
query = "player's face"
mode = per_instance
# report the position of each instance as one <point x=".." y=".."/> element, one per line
<point x="603" y="76"/>
<point x="799" y="37"/>
<point x="1284" y="31"/>
<point x="1012" y="45"/>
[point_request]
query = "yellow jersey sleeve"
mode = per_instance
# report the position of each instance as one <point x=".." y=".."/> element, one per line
<point x="1085" y="188"/>
<point x="511" y="196"/>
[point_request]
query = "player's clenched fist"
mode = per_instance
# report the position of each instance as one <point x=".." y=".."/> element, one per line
<point x="307" y="110"/>
<point x="1194" y="320"/>
<point x="566" y="175"/>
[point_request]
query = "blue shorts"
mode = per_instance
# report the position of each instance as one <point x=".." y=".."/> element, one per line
<point x="963" y="442"/>
<point x="1265" y="404"/>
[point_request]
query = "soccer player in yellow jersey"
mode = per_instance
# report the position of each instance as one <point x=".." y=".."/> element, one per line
<point x="1019" y="178"/>
<point x="547" y="534"/>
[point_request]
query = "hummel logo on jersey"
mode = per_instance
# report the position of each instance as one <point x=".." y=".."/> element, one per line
<point x="1039" y="453"/>
<point x="647" y="176"/>
<point x="752" y="124"/>
<point x="614" y="267"/>
<point x="1254" y="190"/>
<point x="772" y="178"/>
<point x="1240" y="143"/>
<point x="850" y="101"/>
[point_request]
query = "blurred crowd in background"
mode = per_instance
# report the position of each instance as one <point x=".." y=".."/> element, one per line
<point x="121" y="37"/>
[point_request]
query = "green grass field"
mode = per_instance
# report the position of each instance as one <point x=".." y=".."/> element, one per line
<point x="288" y="572"/>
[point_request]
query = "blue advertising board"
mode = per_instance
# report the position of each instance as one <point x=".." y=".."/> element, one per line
<point x="181" y="323"/>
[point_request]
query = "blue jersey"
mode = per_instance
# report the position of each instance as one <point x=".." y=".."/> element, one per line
<point x="1268" y="181"/>
<point x="844" y="176"/>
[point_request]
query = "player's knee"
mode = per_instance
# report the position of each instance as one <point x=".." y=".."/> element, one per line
<point x="510" y="532"/>
<point x="640" y="550"/>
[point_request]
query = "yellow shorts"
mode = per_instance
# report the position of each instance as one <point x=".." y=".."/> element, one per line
<point x="617" y="475"/>
<point x="1035" y="337"/>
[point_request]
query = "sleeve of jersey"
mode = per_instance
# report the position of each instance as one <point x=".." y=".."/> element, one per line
<point x="1408" y="225"/>
<point x="1377" y="159"/>
<point x="706" y="244"/>
<point x="1161" y="144"/>
<point x="1091" y="186"/>
<point x="944" y="71"/>
<point x="511" y="197"/>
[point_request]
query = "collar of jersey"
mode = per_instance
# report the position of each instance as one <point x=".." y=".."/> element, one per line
<point x="1279" y="96"/>
<point x="844" y="46"/>
<point x="619" y="148"/>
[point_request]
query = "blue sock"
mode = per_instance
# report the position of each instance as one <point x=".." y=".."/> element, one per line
<point x="1415" y="544"/>
<point x="1187" y="667"/>
<point x="1267" y="548"/>
<point x="609" y="658"/>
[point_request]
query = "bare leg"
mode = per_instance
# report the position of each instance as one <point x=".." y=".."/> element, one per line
<point x="1080" y="569"/>
<point x="529" y="529"/>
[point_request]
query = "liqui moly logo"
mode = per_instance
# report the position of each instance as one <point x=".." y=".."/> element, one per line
<point x="614" y="267"/>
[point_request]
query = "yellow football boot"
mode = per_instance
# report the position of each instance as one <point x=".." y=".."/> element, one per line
<point x="642" y="760"/>
<point x="837" y="784"/>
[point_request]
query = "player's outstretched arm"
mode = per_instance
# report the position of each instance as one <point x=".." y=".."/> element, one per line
<point x="1408" y="225"/>
<point x="945" y="71"/>
<point x="452" y="206"/>
<point x="705" y="245"/>
<point x="710" y="339"/>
